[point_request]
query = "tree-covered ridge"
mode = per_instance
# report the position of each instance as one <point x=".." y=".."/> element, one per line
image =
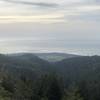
<point x="27" y="77"/>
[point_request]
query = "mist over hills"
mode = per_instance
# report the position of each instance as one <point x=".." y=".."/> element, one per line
<point x="54" y="57"/>
<point x="50" y="57"/>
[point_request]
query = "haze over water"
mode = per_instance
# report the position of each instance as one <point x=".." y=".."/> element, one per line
<point x="74" y="47"/>
<point x="69" y="26"/>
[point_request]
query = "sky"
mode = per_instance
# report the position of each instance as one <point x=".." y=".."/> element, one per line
<point x="70" y="26"/>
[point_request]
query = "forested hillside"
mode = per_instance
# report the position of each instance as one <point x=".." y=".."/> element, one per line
<point x="28" y="77"/>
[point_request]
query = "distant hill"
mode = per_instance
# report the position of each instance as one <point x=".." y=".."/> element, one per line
<point x="26" y="69"/>
<point x="79" y="68"/>
<point x="54" y="57"/>
<point x="26" y="63"/>
<point x="73" y="67"/>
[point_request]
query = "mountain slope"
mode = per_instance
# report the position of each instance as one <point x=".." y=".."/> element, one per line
<point x="79" y="68"/>
<point x="24" y="63"/>
<point x="75" y="69"/>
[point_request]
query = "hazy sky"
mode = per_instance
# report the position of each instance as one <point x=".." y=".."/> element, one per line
<point x="71" y="26"/>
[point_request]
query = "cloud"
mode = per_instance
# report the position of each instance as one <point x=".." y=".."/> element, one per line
<point x="39" y="4"/>
<point x="50" y="18"/>
<point x="71" y="10"/>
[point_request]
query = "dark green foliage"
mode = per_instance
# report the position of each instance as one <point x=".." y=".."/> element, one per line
<point x="72" y="93"/>
<point x="54" y="91"/>
<point x="27" y="77"/>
